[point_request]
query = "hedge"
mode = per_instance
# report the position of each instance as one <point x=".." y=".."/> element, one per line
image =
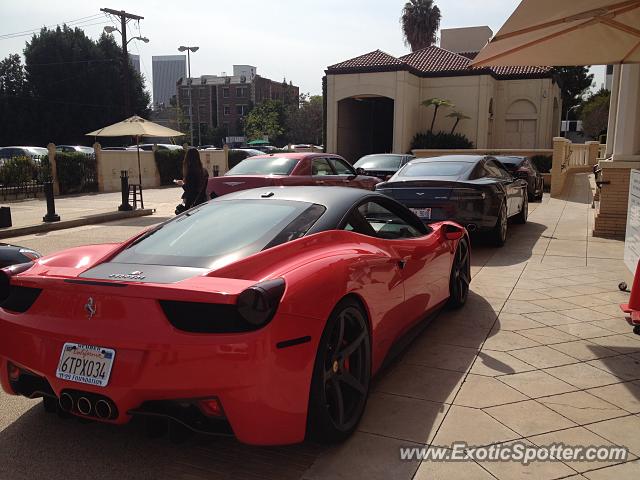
<point x="169" y="163"/>
<point x="16" y="171"/>
<point x="444" y="140"/>
<point x="76" y="172"/>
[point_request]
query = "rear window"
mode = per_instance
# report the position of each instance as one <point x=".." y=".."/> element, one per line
<point x="435" y="169"/>
<point x="510" y="163"/>
<point x="382" y="162"/>
<point x="220" y="232"/>
<point x="264" y="166"/>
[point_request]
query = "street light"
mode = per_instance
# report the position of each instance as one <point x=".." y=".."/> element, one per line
<point x="125" y="60"/>
<point x="566" y="122"/>
<point x="182" y="48"/>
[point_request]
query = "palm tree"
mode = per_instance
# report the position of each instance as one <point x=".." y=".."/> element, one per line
<point x="420" y="22"/>
<point x="458" y="116"/>
<point x="436" y="103"/>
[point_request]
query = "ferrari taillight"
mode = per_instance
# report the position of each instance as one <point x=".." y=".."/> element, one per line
<point x="258" y="303"/>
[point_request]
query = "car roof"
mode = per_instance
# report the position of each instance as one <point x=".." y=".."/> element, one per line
<point x="336" y="200"/>
<point x="451" y="158"/>
<point x="296" y="155"/>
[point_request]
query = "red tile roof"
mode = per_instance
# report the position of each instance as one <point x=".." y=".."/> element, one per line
<point x="432" y="61"/>
<point x="377" y="58"/>
<point x="435" y="59"/>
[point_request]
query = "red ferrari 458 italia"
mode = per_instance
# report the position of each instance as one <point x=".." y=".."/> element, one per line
<point x="262" y="314"/>
<point x="289" y="169"/>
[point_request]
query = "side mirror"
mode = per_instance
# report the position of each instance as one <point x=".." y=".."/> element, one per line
<point x="453" y="232"/>
<point x="360" y="171"/>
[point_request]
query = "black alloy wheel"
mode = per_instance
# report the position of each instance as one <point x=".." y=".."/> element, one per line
<point x="524" y="213"/>
<point x="340" y="384"/>
<point x="460" y="275"/>
<point x="499" y="232"/>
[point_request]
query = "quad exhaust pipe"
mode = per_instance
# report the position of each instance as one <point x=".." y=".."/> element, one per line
<point x="101" y="408"/>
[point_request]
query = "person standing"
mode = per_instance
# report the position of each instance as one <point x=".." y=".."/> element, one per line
<point x="194" y="180"/>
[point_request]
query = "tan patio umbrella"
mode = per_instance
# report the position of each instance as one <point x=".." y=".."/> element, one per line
<point x="135" y="127"/>
<point x="567" y="32"/>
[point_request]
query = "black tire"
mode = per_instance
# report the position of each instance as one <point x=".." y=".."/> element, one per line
<point x="499" y="232"/>
<point x="521" y="217"/>
<point x="341" y="375"/>
<point x="460" y="276"/>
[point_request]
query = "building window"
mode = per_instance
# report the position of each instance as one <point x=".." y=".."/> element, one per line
<point x="241" y="109"/>
<point x="225" y="93"/>
<point x="241" y="92"/>
<point x="227" y="110"/>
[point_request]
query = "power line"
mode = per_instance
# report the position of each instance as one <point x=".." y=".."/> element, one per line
<point x="37" y="29"/>
<point x="34" y="32"/>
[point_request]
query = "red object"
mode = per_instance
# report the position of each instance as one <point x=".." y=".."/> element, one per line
<point x="262" y="383"/>
<point x="303" y="173"/>
<point x="632" y="309"/>
<point x="211" y="407"/>
<point x="14" y="371"/>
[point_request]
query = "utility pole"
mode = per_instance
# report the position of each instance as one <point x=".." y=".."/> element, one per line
<point x="124" y="18"/>
<point x="182" y="48"/>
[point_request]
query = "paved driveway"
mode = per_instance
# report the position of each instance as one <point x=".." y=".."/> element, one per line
<point x="540" y="354"/>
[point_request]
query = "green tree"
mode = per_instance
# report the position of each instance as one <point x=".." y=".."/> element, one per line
<point x="573" y="82"/>
<point x="15" y="104"/>
<point x="266" y="119"/>
<point x="304" y="123"/>
<point x="594" y="113"/>
<point x="458" y="116"/>
<point x="420" y="22"/>
<point x="436" y="103"/>
<point x="73" y="86"/>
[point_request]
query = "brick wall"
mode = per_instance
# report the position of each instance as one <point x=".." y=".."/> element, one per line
<point x="611" y="218"/>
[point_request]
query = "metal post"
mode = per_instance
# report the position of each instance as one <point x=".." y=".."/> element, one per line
<point x="190" y="94"/>
<point x="51" y="215"/>
<point x="124" y="185"/>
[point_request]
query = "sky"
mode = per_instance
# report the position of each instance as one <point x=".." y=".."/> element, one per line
<point x="288" y="39"/>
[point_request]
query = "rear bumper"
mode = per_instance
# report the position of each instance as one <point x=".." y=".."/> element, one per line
<point x="263" y="389"/>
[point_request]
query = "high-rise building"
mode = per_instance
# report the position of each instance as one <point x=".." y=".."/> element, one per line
<point x="166" y="71"/>
<point x="135" y="61"/>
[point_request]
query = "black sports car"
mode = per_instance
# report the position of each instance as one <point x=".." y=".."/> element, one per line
<point x="522" y="167"/>
<point x="381" y="165"/>
<point x="475" y="191"/>
<point x="12" y="254"/>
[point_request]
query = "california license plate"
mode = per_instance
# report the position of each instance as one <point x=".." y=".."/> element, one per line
<point x="85" y="364"/>
<point x="422" y="213"/>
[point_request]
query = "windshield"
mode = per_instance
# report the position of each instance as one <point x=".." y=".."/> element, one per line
<point x="264" y="166"/>
<point x="435" y="169"/>
<point x="221" y="232"/>
<point x="382" y="162"/>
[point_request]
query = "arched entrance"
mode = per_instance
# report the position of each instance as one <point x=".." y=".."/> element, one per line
<point x="365" y="125"/>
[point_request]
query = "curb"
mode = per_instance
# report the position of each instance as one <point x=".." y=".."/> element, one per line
<point x="77" y="222"/>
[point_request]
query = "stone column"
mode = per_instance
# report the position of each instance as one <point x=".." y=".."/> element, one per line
<point x="612" y="214"/>
<point x="54" y="168"/>
<point x="558" y="167"/>
<point x="592" y="152"/>
<point x="613" y="108"/>
<point x="225" y="148"/>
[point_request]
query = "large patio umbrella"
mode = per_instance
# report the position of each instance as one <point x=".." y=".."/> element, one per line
<point x="135" y="127"/>
<point x="567" y="32"/>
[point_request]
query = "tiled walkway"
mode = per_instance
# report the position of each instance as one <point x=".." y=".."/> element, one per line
<point x="540" y="353"/>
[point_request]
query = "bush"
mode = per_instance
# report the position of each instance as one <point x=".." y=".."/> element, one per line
<point x="169" y="163"/>
<point x="16" y="171"/>
<point x="76" y="172"/>
<point x="442" y="140"/>
<point x="542" y="162"/>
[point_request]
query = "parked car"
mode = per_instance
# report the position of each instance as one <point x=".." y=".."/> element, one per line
<point x="161" y="146"/>
<point x="263" y="314"/>
<point x="13" y="254"/>
<point x="381" y="165"/>
<point x="522" y="167"/>
<point x="75" y="148"/>
<point x="266" y="148"/>
<point x="236" y="155"/>
<point x="113" y="148"/>
<point x="289" y="169"/>
<point x="475" y="191"/>
<point x="11" y="152"/>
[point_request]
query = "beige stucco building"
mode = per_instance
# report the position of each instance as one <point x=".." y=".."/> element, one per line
<point x="373" y="102"/>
